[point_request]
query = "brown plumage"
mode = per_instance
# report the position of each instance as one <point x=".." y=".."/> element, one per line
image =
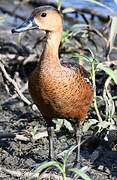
<point x="59" y="89"/>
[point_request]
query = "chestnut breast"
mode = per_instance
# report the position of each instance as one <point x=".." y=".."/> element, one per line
<point x="60" y="92"/>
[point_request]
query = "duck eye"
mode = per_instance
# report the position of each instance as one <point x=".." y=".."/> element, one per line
<point x="43" y="14"/>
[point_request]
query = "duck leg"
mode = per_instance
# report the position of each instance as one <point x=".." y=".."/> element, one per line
<point x="50" y="130"/>
<point x="78" y="141"/>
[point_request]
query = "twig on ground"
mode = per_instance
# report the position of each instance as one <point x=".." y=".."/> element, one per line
<point x="10" y="80"/>
<point x="21" y="137"/>
<point x="23" y="89"/>
<point x="109" y="63"/>
<point x="40" y="135"/>
<point x="23" y="174"/>
<point x="30" y="59"/>
<point x="10" y="135"/>
<point x="108" y="99"/>
<point x="17" y="79"/>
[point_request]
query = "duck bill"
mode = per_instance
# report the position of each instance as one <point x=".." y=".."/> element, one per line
<point x="29" y="24"/>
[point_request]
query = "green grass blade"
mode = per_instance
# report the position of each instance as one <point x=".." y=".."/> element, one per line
<point x="109" y="71"/>
<point x="88" y="124"/>
<point x="113" y="32"/>
<point x="114" y="97"/>
<point x="84" y="57"/>
<point x="68" y="153"/>
<point x="115" y="1"/>
<point x="68" y="125"/>
<point x="68" y="10"/>
<point x="47" y="165"/>
<point x="79" y="172"/>
<point x="59" y="3"/>
<point x="59" y="123"/>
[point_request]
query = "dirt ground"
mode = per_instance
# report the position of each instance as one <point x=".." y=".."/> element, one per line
<point x="18" y="155"/>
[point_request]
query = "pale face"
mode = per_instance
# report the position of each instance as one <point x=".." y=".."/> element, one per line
<point x="48" y="20"/>
<point x="44" y="18"/>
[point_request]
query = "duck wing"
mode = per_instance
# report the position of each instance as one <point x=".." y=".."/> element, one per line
<point x="76" y="67"/>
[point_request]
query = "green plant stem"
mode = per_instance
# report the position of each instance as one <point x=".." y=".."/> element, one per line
<point x="64" y="177"/>
<point x="94" y="86"/>
<point x="59" y="3"/>
<point x="64" y="171"/>
<point x="110" y="109"/>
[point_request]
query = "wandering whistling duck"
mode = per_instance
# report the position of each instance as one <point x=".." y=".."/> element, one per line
<point x="59" y="89"/>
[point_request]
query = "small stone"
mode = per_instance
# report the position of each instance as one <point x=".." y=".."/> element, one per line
<point x="11" y="56"/>
<point x="20" y="58"/>
<point x="101" y="168"/>
<point x="107" y="171"/>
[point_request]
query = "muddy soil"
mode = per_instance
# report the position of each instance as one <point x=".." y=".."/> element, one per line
<point x="16" y="117"/>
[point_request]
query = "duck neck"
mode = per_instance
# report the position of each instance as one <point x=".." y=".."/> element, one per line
<point x="51" y="50"/>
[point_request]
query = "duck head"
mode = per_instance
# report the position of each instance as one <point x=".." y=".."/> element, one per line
<point x="45" y="18"/>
